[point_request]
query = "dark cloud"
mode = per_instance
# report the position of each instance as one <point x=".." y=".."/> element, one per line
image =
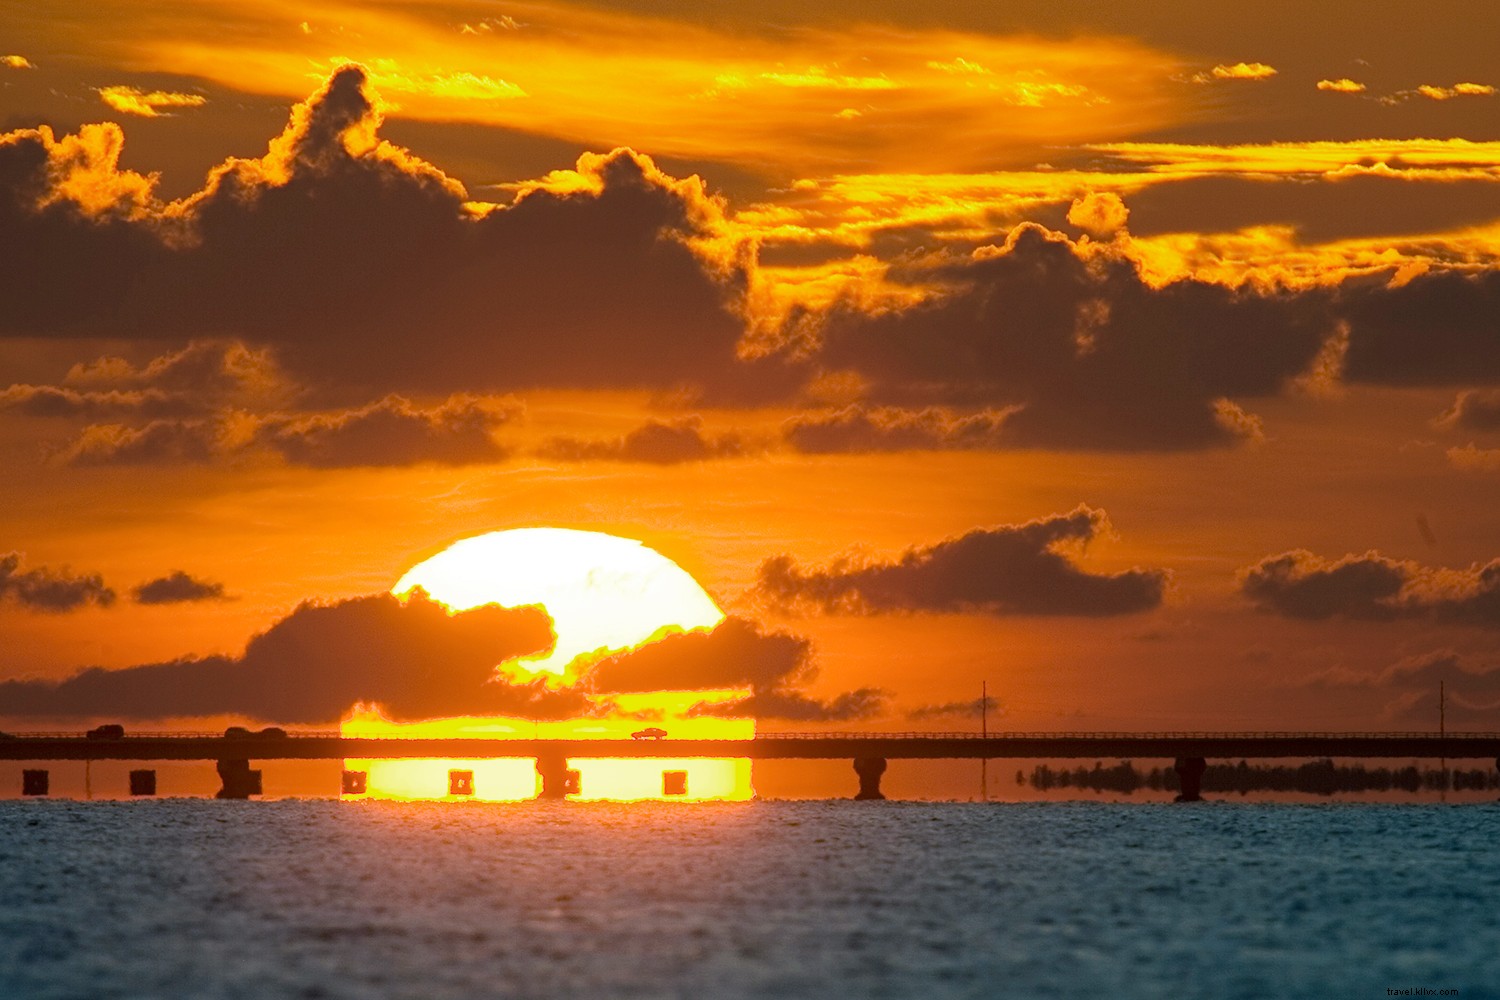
<point x="159" y="442"/>
<point x="793" y="706"/>
<point x="973" y="708"/>
<point x="391" y="432"/>
<point x="366" y="268"/>
<point x="1008" y="569"/>
<point x="45" y="589"/>
<point x="61" y="401"/>
<point x="658" y="442"/>
<point x="1437" y="329"/>
<point x="459" y="431"/>
<point x="1093" y="356"/>
<point x="883" y="429"/>
<point x="1299" y="584"/>
<point x="1473" y="410"/>
<point x="177" y="587"/>
<point x="1411" y="687"/>
<point x="414" y="659"/>
<point x="737" y="653"/>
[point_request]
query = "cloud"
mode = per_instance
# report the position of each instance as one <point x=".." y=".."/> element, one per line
<point x="50" y="590"/>
<point x="1343" y="85"/>
<point x="1473" y="410"/>
<point x="858" y="429"/>
<point x="738" y="653"/>
<point x="391" y="432"/>
<point x="862" y="703"/>
<point x="1411" y="686"/>
<point x="160" y="442"/>
<point x="1472" y="459"/>
<point x="177" y="587"/>
<point x="335" y="247"/>
<point x="16" y="62"/>
<point x="412" y="658"/>
<point x="1457" y="90"/>
<point x="1088" y="353"/>
<point x="1437" y="329"/>
<point x="972" y="708"/>
<point x="1099" y="213"/>
<point x="658" y="442"/>
<point x="459" y="431"/>
<point x="1237" y="71"/>
<point x="61" y="401"/>
<point x="130" y="101"/>
<point x="1005" y="570"/>
<point x="1372" y="587"/>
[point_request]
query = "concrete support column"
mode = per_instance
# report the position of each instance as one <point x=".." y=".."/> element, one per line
<point x="869" y="770"/>
<point x="237" y="779"/>
<point x="1190" y="778"/>
<point x="554" y="772"/>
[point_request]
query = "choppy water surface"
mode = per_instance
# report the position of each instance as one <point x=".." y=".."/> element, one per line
<point x="185" y="898"/>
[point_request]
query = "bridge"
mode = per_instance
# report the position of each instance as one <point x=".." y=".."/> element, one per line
<point x="868" y="751"/>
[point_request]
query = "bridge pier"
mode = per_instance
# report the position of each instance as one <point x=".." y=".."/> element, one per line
<point x="238" y="781"/>
<point x="1190" y="778"/>
<point x="558" y="780"/>
<point x="869" y="770"/>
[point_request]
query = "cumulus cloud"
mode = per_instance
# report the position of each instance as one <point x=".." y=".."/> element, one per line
<point x="177" y="587"/>
<point x="1235" y="71"/>
<point x="1099" y="213"/>
<point x="147" y="104"/>
<point x="412" y="658"/>
<point x="886" y="429"/>
<point x="658" y="442"/>
<point x="16" y="62"/>
<point x="1457" y="90"/>
<point x="1299" y="584"/>
<point x="1005" y="570"/>
<point x="1343" y="85"/>
<point x="365" y="268"/>
<point x="737" y="653"/>
<point x="43" y="589"/>
<point x="1088" y="353"/>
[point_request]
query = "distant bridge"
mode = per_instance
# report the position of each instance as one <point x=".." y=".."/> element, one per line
<point x="868" y="751"/>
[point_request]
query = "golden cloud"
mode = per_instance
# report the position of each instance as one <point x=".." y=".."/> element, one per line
<point x="1343" y="85"/>
<point x="1243" y="71"/>
<point x="1457" y="90"/>
<point x="147" y="104"/>
<point x="17" y="62"/>
<point x="607" y="78"/>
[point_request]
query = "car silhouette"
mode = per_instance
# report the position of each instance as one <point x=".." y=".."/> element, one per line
<point x="649" y="734"/>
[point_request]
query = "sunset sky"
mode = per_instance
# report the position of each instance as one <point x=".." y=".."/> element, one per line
<point x="1141" y="360"/>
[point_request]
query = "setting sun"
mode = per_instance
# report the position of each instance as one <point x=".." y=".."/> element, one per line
<point x="604" y="594"/>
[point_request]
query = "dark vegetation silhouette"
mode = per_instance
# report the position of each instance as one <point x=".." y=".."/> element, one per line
<point x="1318" y="777"/>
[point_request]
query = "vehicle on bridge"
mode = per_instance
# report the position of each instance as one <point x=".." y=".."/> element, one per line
<point x="112" y="731"/>
<point x="649" y="734"/>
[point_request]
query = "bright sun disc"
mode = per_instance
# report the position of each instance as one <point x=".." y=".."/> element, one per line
<point x="602" y="592"/>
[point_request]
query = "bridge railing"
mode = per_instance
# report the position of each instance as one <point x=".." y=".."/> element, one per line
<point x="896" y="735"/>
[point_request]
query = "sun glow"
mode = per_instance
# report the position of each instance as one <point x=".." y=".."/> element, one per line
<point x="604" y="593"/>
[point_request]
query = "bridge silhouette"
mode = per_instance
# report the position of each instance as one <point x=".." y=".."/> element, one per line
<point x="869" y="752"/>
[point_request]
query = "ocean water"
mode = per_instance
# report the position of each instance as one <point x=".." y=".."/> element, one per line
<point x="302" y="898"/>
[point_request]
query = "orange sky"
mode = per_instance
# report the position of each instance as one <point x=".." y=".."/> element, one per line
<point x="1143" y="363"/>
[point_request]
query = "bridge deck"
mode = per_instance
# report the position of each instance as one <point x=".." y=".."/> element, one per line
<point x="771" y="746"/>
